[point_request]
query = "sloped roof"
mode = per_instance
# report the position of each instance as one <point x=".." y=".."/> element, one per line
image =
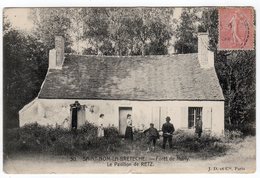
<point x="177" y="77"/>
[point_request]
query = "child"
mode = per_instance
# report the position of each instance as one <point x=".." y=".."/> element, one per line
<point x="153" y="135"/>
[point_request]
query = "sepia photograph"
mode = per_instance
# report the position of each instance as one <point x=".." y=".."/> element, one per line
<point x="129" y="90"/>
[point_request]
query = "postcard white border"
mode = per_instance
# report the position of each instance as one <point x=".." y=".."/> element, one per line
<point x="132" y="3"/>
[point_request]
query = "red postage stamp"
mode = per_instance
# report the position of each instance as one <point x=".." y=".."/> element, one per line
<point x="236" y="28"/>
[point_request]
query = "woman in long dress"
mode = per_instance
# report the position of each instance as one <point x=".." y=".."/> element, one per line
<point x="129" y="128"/>
<point x="101" y="126"/>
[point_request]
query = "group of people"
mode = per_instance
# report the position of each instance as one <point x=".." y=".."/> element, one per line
<point x="153" y="134"/>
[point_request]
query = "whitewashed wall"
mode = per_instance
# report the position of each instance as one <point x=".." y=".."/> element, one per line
<point x="54" y="111"/>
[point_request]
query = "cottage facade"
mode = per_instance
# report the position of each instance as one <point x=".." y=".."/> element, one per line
<point x="183" y="86"/>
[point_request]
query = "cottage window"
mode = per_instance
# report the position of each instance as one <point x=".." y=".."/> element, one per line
<point x="193" y="113"/>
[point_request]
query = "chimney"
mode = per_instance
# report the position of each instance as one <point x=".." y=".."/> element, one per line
<point x="205" y="57"/>
<point x="56" y="55"/>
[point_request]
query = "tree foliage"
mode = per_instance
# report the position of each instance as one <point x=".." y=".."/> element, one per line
<point x="25" y="66"/>
<point x="236" y="73"/>
<point x="51" y="22"/>
<point x="186" y="32"/>
<point x="209" y="23"/>
<point x="109" y="31"/>
<point x="128" y="31"/>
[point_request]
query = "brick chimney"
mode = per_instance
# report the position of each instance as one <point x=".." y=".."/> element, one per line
<point x="56" y="55"/>
<point x="205" y="57"/>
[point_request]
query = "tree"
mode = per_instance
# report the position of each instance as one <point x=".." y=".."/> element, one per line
<point x="95" y="26"/>
<point x="51" y="22"/>
<point x="76" y="27"/>
<point x="108" y="31"/>
<point x="25" y="66"/>
<point x="209" y="23"/>
<point x="129" y="31"/>
<point x="158" y="45"/>
<point x="236" y="73"/>
<point x="186" y="32"/>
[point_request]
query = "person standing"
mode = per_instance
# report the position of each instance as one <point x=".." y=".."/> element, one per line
<point x="101" y="126"/>
<point x="153" y="135"/>
<point x="129" y="128"/>
<point x="198" y="126"/>
<point x="75" y="108"/>
<point x="168" y="130"/>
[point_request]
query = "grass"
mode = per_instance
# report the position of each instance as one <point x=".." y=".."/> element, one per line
<point x="35" y="139"/>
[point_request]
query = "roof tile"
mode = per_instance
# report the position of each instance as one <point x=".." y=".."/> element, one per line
<point x="177" y="77"/>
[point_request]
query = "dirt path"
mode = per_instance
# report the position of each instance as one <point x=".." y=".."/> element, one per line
<point x="239" y="159"/>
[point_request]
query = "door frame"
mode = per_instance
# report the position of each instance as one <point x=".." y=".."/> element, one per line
<point x="118" y="109"/>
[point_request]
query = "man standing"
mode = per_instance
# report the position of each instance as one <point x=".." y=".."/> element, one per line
<point x="168" y="130"/>
<point x="198" y="126"/>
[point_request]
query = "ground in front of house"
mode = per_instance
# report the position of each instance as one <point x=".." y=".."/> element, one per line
<point x="134" y="158"/>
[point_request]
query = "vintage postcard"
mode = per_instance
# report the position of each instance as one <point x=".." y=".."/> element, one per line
<point x="129" y="90"/>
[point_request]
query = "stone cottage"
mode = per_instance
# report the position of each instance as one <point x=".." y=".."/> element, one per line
<point x="182" y="86"/>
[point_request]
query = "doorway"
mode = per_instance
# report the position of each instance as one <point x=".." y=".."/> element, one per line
<point x="123" y="111"/>
<point x="75" y="108"/>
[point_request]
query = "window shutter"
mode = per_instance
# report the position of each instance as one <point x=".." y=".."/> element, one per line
<point x="206" y="118"/>
<point x="184" y="117"/>
<point x="81" y="116"/>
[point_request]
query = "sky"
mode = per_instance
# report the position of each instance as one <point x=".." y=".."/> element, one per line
<point x="19" y="18"/>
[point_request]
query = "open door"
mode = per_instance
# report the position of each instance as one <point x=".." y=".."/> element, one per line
<point x="123" y="111"/>
<point x="74" y="108"/>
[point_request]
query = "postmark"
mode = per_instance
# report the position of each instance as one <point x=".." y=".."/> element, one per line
<point x="236" y="28"/>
